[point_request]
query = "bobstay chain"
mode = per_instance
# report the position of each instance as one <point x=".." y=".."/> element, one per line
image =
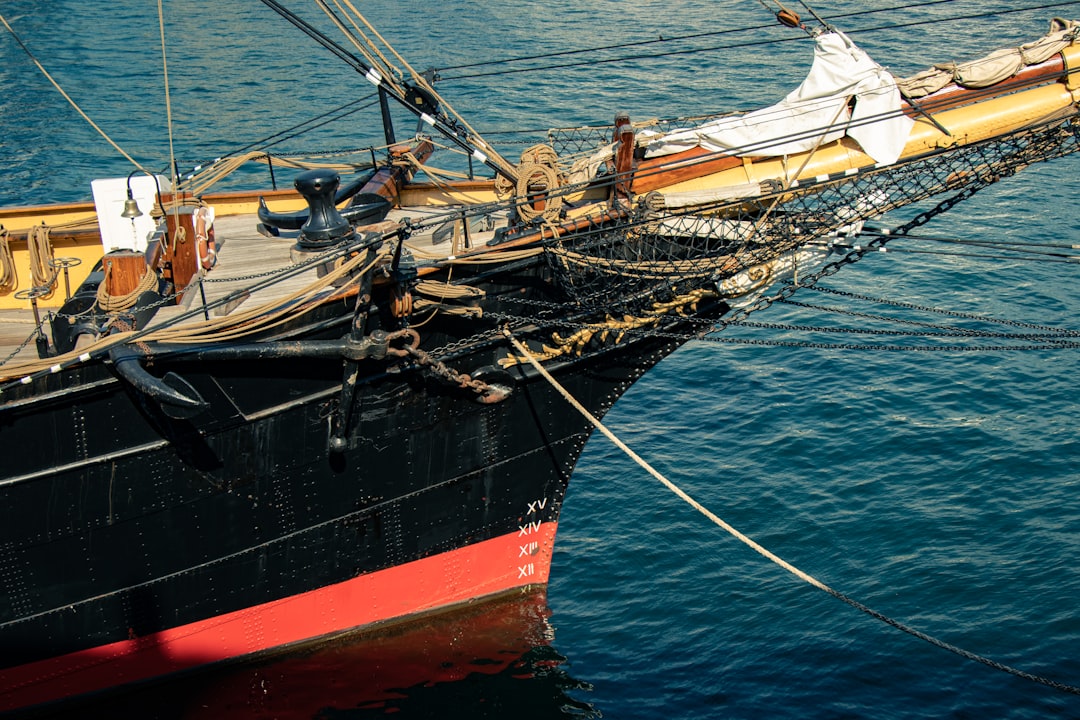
<point x="749" y="542"/>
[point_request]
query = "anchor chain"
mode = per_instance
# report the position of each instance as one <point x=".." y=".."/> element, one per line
<point x="485" y="393"/>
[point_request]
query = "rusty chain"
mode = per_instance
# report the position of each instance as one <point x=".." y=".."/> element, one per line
<point x="485" y="393"/>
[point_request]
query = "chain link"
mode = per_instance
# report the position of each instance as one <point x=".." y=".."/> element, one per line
<point x="485" y="392"/>
<point x="923" y="308"/>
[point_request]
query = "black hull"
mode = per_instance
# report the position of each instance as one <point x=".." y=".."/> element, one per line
<point x="125" y="528"/>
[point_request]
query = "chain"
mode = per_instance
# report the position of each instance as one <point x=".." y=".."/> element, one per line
<point x="942" y="331"/>
<point x="852" y="257"/>
<point x="29" y="338"/>
<point x="727" y="340"/>
<point x="465" y="343"/>
<point x="899" y="321"/>
<point x="253" y="276"/>
<point x="923" y="308"/>
<point x="486" y="393"/>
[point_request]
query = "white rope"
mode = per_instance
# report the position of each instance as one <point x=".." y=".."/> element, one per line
<point x="761" y="550"/>
<point x="67" y="97"/>
<point x="656" y="474"/>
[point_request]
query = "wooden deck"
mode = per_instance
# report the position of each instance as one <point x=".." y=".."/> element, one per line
<point x="245" y="257"/>
<point x="17" y="328"/>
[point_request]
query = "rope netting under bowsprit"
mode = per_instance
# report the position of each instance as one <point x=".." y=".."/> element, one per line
<point x="577" y="146"/>
<point x="577" y="141"/>
<point x="662" y="251"/>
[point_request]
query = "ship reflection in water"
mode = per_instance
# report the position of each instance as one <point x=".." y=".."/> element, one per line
<point x="491" y="660"/>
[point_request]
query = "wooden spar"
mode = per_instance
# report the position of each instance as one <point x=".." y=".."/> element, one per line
<point x="390" y="179"/>
<point x="696" y="163"/>
<point x="658" y="172"/>
<point x="952" y="96"/>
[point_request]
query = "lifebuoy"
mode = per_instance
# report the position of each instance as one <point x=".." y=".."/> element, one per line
<point x="204" y="237"/>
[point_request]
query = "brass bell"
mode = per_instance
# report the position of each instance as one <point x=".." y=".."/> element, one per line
<point x="131" y="208"/>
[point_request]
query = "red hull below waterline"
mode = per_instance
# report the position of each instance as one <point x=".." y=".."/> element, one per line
<point x="476" y="571"/>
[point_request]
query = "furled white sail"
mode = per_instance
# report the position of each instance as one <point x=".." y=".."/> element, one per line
<point x="845" y="93"/>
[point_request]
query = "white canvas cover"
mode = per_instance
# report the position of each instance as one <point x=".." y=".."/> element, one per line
<point x="997" y="66"/>
<point x="814" y="113"/>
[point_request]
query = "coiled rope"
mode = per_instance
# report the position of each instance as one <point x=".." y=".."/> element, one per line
<point x="9" y="277"/>
<point x="762" y="550"/>
<point x="117" y="303"/>
<point x="39" y="244"/>
<point x="537" y="176"/>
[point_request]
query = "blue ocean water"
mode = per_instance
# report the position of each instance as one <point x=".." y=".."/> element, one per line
<point x="937" y="487"/>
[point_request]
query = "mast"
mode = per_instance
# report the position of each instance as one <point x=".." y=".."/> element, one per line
<point x="417" y="97"/>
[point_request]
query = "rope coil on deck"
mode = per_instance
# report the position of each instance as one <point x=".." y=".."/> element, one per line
<point x="9" y="277"/>
<point x="538" y="174"/>
<point x="41" y="254"/>
<point x="117" y="303"/>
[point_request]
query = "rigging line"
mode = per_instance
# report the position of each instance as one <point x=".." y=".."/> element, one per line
<point x="295" y="131"/>
<point x="372" y="53"/>
<point x="941" y="333"/>
<point x="878" y="232"/>
<point x="374" y="31"/>
<point x="301" y="127"/>
<point x="442" y="124"/>
<point x="1049" y="343"/>
<point x="761" y="550"/>
<point x="816" y="16"/>
<point x="1062" y="332"/>
<point x="677" y="38"/>
<point x="971" y="93"/>
<point x="1035" y="256"/>
<point x="475" y="139"/>
<point x="299" y="130"/>
<point x="922" y="308"/>
<point x="316" y="35"/>
<point x="754" y="43"/>
<point x="67" y="97"/>
<point x="168" y="107"/>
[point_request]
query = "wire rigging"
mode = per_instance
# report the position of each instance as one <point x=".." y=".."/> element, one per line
<point x="636" y="58"/>
<point x="674" y="38"/>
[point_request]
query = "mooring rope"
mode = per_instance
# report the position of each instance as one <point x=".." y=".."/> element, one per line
<point x="806" y="577"/>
